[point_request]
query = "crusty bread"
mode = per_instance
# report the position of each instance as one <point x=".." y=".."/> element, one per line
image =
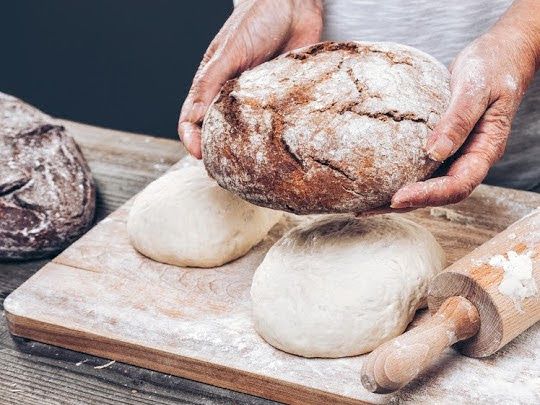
<point x="47" y="195"/>
<point x="333" y="127"/>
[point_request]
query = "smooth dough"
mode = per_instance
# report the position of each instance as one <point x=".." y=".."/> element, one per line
<point x="184" y="218"/>
<point x="340" y="286"/>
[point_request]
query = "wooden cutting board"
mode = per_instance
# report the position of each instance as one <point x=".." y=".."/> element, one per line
<point x="101" y="297"/>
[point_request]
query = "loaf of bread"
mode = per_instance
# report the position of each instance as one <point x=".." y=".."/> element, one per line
<point x="47" y="195"/>
<point x="333" y="127"/>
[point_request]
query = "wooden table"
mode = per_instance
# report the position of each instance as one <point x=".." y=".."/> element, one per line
<point x="31" y="372"/>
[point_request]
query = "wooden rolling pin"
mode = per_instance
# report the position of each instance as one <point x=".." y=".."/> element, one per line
<point x="482" y="301"/>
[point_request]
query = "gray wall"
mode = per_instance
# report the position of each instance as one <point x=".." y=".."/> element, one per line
<point x="124" y="64"/>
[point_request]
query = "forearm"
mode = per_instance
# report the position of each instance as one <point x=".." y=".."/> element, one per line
<point x="521" y="25"/>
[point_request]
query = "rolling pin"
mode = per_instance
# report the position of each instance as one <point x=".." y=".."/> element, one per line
<point x="481" y="302"/>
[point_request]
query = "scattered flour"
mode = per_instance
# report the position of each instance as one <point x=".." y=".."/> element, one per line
<point x="206" y="315"/>
<point x="110" y="363"/>
<point x="510" y="82"/>
<point x="450" y="215"/>
<point x="475" y="75"/>
<point x="518" y="282"/>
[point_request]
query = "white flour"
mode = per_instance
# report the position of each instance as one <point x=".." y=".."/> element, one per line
<point x="511" y="82"/>
<point x="206" y="315"/>
<point x="518" y="282"/>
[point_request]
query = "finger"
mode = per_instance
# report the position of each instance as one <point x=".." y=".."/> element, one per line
<point x="191" y="138"/>
<point x="218" y="65"/>
<point x="486" y="146"/>
<point x="467" y="104"/>
<point x="237" y="46"/>
<point x="433" y="192"/>
<point x="206" y="84"/>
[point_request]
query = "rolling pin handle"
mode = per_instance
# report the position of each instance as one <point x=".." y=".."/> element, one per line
<point x="398" y="361"/>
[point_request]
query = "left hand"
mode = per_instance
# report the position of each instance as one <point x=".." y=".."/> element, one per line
<point x="488" y="81"/>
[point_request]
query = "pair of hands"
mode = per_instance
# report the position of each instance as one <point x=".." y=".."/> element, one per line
<point x="488" y="81"/>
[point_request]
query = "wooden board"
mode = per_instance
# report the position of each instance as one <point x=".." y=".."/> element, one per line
<point x="37" y="373"/>
<point x="102" y="298"/>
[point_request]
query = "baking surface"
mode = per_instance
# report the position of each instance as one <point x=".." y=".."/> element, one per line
<point x="101" y="288"/>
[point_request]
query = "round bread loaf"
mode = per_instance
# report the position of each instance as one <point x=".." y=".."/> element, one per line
<point x="47" y="195"/>
<point x="333" y="127"/>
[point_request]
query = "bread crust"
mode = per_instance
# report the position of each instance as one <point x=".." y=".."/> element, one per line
<point x="333" y="127"/>
<point x="47" y="194"/>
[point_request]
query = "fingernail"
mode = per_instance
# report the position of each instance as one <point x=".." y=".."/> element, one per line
<point x="398" y="203"/>
<point x="401" y="199"/>
<point x="180" y="132"/>
<point x="185" y="108"/>
<point x="183" y="128"/>
<point x="185" y="133"/>
<point x="441" y="149"/>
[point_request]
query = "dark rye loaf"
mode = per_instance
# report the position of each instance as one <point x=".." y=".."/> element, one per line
<point x="47" y="195"/>
<point x="333" y="127"/>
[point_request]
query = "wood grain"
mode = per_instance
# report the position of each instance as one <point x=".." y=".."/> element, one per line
<point x="167" y="363"/>
<point x="503" y="317"/>
<point x="33" y="372"/>
<point x="121" y="163"/>
<point x="101" y="290"/>
<point x="469" y="307"/>
<point x="70" y="378"/>
<point x="396" y="362"/>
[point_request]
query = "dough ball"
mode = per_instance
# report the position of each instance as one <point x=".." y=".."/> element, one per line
<point x="341" y="286"/>
<point x="184" y="218"/>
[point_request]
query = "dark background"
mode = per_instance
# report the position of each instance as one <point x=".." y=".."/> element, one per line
<point x="123" y="64"/>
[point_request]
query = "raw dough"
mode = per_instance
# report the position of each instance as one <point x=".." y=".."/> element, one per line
<point x="184" y="218"/>
<point x="340" y="286"/>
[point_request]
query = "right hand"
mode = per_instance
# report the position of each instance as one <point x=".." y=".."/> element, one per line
<point x="256" y="31"/>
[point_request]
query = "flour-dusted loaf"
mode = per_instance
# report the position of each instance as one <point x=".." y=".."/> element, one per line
<point x="333" y="127"/>
<point x="47" y="195"/>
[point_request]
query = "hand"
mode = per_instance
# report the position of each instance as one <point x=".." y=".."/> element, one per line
<point x="488" y="81"/>
<point x="256" y="31"/>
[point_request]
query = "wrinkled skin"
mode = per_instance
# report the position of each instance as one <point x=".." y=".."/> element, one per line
<point x="488" y="81"/>
<point x="257" y="31"/>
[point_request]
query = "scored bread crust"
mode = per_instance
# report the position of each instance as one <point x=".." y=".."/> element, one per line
<point x="47" y="194"/>
<point x="332" y="127"/>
